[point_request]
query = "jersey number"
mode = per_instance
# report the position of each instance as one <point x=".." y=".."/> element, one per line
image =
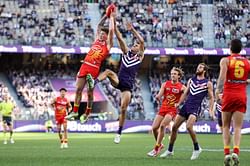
<point x="238" y="68"/>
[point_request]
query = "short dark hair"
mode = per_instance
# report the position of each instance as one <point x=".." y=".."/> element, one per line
<point x="63" y="89"/>
<point x="236" y="46"/>
<point x="105" y="29"/>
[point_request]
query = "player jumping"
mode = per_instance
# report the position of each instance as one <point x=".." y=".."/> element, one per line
<point x="124" y="81"/>
<point x="98" y="52"/>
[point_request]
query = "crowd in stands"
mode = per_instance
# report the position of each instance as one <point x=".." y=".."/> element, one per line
<point x="231" y="20"/>
<point x="161" y="25"/>
<point x="34" y="91"/>
<point x="45" y="22"/>
<point x="67" y="22"/>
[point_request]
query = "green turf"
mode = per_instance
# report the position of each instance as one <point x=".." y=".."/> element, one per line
<point x="41" y="149"/>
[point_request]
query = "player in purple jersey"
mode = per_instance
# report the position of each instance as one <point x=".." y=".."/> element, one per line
<point x="197" y="88"/>
<point x="131" y="59"/>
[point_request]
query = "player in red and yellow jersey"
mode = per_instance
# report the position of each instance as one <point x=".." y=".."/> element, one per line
<point x="233" y="76"/>
<point x="90" y="68"/>
<point x="61" y="105"/>
<point x="172" y="91"/>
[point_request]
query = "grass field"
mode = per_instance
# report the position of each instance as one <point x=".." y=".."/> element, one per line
<point x="42" y="149"/>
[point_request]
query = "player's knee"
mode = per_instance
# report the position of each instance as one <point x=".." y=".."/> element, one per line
<point x="189" y="127"/>
<point x="162" y="126"/>
<point x="154" y="128"/>
<point x="123" y="108"/>
<point x="174" y="129"/>
<point x="79" y="90"/>
<point x="123" y="111"/>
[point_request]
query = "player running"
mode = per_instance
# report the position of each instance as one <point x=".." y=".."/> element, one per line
<point x="172" y="91"/>
<point x="61" y="105"/>
<point x="232" y="82"/>
<point x="6" y="108"/>
<point x="197" y="89"/>
<point x="98" y="52"/>
<point x="124" y="81"/>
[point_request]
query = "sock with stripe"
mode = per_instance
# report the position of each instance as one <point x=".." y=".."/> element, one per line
<point x="226" y="150"/>
<point x="236" y="150"/>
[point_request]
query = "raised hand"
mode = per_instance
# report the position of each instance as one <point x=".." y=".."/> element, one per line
<point x="129" y="26"/>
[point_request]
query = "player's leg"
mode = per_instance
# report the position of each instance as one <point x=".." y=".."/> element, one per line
<point x="165" y="122"/>
<point x="190" y="123"/>
<point x="237" y="123"/>
<point x="4" y="132"/>
<point x="155" y="127"/>
<point x="11" y="131"/>
<point x="169" y="127"/>
<point x="226" y="121"/>
<point x="177" y="123"/>
<point x="80" y="83"/>
<point x="159" y="146"/>
<point x="219" y="118"/>
<point x="88" y="110"/>
<point x="65" y="135"/>
<point x="156" y="124"/>
<point x="125" y="100"/>
<point x="108" y="74"/>
<point x="59" y="131"/>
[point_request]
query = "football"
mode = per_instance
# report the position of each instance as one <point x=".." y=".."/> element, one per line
<point x="110" y="9"/>
<point x="171" y="1"/>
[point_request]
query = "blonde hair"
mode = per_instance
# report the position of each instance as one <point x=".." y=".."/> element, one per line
<point x="179" y="70"/>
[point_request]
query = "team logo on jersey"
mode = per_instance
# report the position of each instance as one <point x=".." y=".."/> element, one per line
<point x="95" y="53"/>
<point x="198" y="88"/>
<point x="171" y="100"/>
<point x="130" y="60"/>
<point x="174" y="90"/>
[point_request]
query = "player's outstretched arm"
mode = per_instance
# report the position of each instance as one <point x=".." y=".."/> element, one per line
<point x="121" y="41"/>
<point x="100" y="24"/>
<point x="111" y="30"/>
<point x="138" y="37"/>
